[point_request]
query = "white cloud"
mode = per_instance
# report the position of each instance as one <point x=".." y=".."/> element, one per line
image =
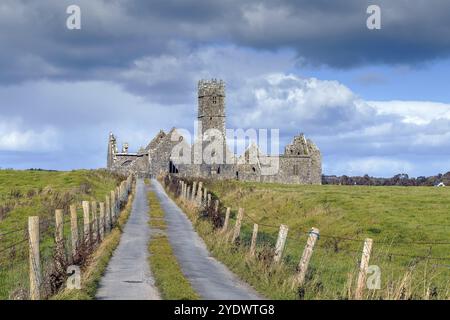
<point x="172" y="77"/>
<point x="291" y="103"/>
<point x="14" y="137"/>
<point x="355" y="136"/>
<point x="414" y="112"/>
<point x="380" y="137"/>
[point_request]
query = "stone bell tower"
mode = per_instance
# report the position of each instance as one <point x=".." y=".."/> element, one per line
<point x="211" y="105"/>
<point x="211" y="118"/>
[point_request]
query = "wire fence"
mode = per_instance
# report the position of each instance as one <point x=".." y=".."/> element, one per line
<point x="334" y="257"/>
<point x="28" y="274"/>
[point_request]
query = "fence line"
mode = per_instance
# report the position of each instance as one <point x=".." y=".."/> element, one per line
<point x="13" y="245"/>
<point x="205" y="203"/>
<point x="300" y="234"/>
<point x="51" y="259"/>
<point x="12" y="231"/>
<point x="252" y="219"/>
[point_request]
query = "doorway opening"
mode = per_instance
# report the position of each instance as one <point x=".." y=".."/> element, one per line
<point x="172" y="167"/>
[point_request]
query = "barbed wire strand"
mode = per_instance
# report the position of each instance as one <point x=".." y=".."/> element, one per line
<point x="12" y="231"/>
<point x="439" y="242"/>
<point x="301" y="233"/>
<point x="13" y="245"/>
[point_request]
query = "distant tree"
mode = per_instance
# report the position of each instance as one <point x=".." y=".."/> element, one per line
<point x="401" y="179"/>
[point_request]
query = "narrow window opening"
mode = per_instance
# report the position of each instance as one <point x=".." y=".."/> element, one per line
<point x="172" y="167"/>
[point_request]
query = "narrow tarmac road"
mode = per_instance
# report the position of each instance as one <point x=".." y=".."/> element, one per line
<point x="128" y="275"/>
<point x="210" y="278"/>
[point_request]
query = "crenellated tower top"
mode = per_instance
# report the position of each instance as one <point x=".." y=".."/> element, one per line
<point x="211" y="104"/>
<point x="211" y="87"/>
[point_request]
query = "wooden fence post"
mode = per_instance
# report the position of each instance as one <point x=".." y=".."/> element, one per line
<point x="86" y="221"/>
<point x="237" y="227"/>
<point x="117" y="202"/>
<point x="74" y="230"/>
<point x="35" y="259"/>
<point x="208" y="203"/>
<point x="281" y="241"/>
<point x="123" y="191"/>
<point x="199" y="193"/>
<point x="367" y="249"/>
<point x="182" y="190"/>
<point x="107" y="214"/>
<point x="299" y="278"/>
<point x="188" y="192"/>
<point x="216" y="206"/>
<point x="227" y="219"/>
<point x="101" y="225"/>
<point x="113" y="208"/>
<point x="94" y="222"/>
<point x="254" y="238"/>
<point x="59" y="235"/>
<point x="194" y="189"/>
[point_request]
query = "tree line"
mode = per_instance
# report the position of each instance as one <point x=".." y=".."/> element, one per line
<point x="401" y="179"/>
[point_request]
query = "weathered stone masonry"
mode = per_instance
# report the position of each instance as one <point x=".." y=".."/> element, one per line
<point x="300" y="163"/>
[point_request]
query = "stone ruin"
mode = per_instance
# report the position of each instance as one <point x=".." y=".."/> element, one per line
<point x="168" y="152"/>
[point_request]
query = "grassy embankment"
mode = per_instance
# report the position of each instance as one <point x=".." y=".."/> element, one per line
<point x="29" y="193"/>
<point x="98" y="260"/>
<point x="405" y="223"/>
<point x="164" y="265"/>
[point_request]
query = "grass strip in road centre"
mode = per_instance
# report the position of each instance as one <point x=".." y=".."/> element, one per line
<point x="167" y="272"/>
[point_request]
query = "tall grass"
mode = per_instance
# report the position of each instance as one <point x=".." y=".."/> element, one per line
<point x="97" y="262"/>
<point x="345" y="216"/>
<point x="39" y="193"/>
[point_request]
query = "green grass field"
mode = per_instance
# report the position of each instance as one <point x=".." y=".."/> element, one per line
<point x="410" y="227"/>
<point x="39" y="193"/>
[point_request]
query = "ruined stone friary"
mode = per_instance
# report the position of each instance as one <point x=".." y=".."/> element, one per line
<point x="209" y="156"/>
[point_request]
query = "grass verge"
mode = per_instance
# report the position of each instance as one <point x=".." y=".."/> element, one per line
<point x="25" y="193"/>
<point x="163" y="263"/>
<point x="400" y="220"/>
<point x="98" y="260"/>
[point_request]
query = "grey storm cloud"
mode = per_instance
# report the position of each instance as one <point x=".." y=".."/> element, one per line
<point x="35" y="42"/>
<point x="134" y="65"/>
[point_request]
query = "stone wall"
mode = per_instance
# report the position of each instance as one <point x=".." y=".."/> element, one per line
<point x="301" y="162"/>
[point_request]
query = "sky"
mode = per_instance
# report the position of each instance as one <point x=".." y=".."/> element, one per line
<point x="375" y="102"/>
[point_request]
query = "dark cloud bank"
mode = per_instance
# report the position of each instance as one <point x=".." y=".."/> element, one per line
<point x="134" y="65"/>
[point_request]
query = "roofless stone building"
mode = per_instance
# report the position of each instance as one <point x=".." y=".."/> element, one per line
<point x="209" y="156"/>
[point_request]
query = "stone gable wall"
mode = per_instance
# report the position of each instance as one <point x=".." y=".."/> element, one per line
<point x="301" y="162"/>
